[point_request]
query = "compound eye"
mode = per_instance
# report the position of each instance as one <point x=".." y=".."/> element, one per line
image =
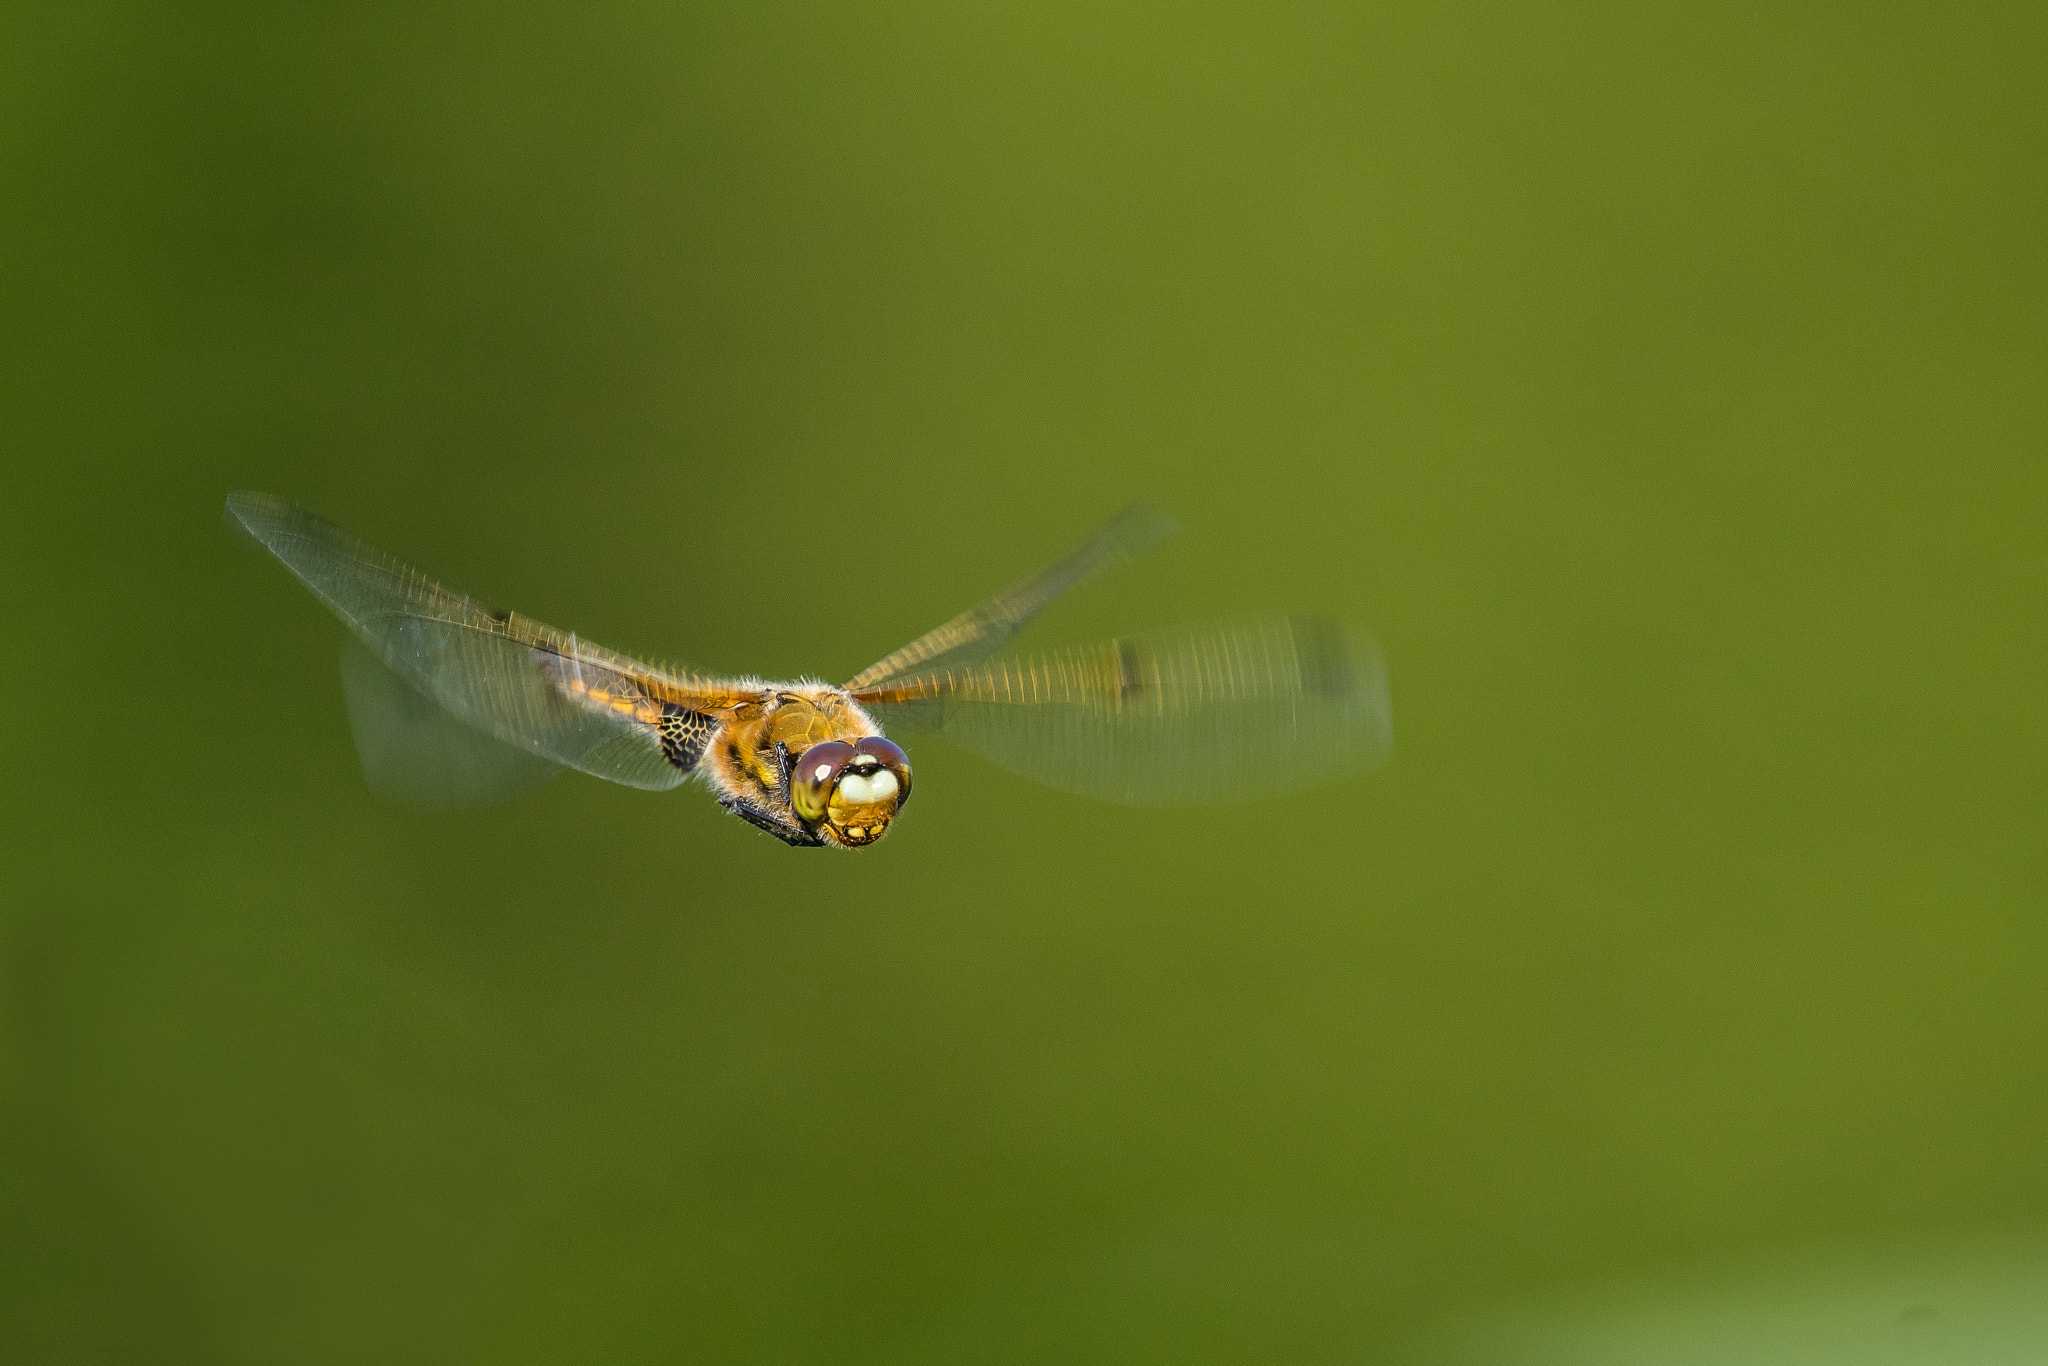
<point x="813" y="775"/>
<point x="889" y="755"/>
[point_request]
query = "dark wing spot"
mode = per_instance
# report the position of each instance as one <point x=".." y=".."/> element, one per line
<point x="1321" y="652"/>
<point x="685" y="734"/>
<point x="1130" y="677"/>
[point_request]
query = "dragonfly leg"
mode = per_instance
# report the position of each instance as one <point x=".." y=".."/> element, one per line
<point x="790" y="834"/>
<point x="782" y="767"/>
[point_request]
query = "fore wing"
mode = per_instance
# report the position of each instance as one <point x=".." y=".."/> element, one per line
<point x="1193" y="715"/>
<point x="533" y="687"/>
<point x="980" y="631"/>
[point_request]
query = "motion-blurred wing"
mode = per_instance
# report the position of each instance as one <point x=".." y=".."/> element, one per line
<point x="1181" y="717"/>
<point x="980" y="631"/>
<point x="528" y="684"/>
<point x="414" y="752"/>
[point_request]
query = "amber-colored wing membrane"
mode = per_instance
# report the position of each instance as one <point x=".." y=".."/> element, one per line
<point x="980" y="631"/>
<point x="535" y="688"/>
<point x="1200" y="714"/>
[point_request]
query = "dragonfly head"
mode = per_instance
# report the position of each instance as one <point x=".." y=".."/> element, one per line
<point x="851" y="791"/>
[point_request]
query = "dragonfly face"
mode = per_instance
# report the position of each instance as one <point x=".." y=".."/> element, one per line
<point x="851" y="791"/>
<point x="1196" y="714"/>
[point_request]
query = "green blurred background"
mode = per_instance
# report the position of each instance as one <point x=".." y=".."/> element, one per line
<point x="1663" y="387"/>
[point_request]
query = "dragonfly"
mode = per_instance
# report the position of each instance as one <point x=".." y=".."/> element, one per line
<point x="1227" y="711"/>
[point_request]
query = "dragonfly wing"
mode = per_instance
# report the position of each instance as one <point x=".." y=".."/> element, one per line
<point x="980" y="631"/>
<point x="533" y="687"/>
<point x="416" y="753"/>
<point x="1183" y="717"/>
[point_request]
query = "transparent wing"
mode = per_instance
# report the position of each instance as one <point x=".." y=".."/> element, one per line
<point x="1226" y="712"/>
<point x="980" y="631"/>
<point x="413" y="750"/>
<point x="531" y="686"/>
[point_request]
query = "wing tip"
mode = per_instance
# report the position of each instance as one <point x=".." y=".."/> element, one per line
<point x="1141" y="526"/>
<point x="241" y="505"/>
<point x="257" y="515"/>
<point x="1340" y="666"/>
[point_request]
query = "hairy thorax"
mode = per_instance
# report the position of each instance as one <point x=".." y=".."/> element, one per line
<point x="746" y="759"/>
